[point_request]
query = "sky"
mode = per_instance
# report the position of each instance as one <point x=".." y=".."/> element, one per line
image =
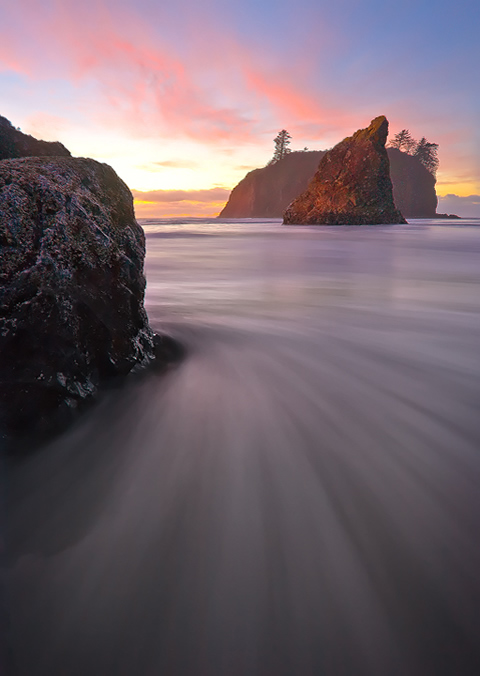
<point x="184" y="98"/>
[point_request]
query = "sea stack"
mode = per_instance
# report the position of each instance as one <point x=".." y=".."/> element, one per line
<point x="352" y="184"/>
<point x="267" y="192"/>
<point x="71" y="289"/>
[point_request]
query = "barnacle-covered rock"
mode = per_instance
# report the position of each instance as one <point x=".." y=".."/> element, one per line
<point x="71" y="288"/>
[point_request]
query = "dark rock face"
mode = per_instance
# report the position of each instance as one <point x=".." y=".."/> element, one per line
<point x="413" y="185"/>
<point x="266" y="192"/>
<point x="13" y="143"/>
<point x="71" y="288"/>
<point x="352" y="184"/>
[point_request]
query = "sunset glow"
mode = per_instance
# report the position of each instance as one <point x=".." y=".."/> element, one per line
<point x="190" y="98"/>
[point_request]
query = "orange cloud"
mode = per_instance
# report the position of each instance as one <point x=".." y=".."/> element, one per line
<point x="179" y="203"/>
<point x="169" y="164"/>
<point x="178" y="209"/>
<point x="160" y="196"/>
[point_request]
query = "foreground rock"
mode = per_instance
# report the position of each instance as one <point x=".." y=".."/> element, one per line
<point x="13" y="143"/>
<point x="352" y="185"/>
<point x="71" y="288"/>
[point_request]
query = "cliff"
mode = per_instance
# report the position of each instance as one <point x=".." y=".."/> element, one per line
<point x="413" y="185"/>
<point x="14" y="143"/>
<point x="267" y="192"/>
<point x="352" y="184"/>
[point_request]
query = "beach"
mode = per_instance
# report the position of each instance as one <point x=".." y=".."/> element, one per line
<point x="298" y="496"/>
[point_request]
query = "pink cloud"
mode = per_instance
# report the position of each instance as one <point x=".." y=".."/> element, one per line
<point x="9" y="61"/>
<point x="146" y="84"/>
<point x="143" y="84"/>
<point x="207" y="84"/>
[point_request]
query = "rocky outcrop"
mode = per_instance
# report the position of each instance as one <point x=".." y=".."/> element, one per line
<point x="13" y="143"/>
<point x="71" y="288"/>
<point x="267" y="192"/>
<point x="352" y="184"/>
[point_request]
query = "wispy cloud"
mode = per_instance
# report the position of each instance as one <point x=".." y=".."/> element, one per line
<point x="46" y="126"/>
<point x="147" y="84"/>
<point x="151" y="83"/>
<point x="176" y="164"/>
<point x="168" y="164"/>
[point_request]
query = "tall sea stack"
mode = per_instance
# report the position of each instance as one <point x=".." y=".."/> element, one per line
<point x="352" y="185"/>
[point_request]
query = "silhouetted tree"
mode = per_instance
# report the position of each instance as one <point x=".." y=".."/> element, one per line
<point x="282" y="141"/>
<point x="404" y="141"/>
<point x="427" y="154"/>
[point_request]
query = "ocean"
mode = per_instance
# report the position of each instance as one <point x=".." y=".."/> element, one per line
<point x="298" y="497"/>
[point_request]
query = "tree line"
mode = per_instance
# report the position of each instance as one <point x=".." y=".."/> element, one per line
<point x="423" y="150"/>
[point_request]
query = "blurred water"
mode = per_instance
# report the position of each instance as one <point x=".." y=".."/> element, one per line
<point x="299" y="497"/>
